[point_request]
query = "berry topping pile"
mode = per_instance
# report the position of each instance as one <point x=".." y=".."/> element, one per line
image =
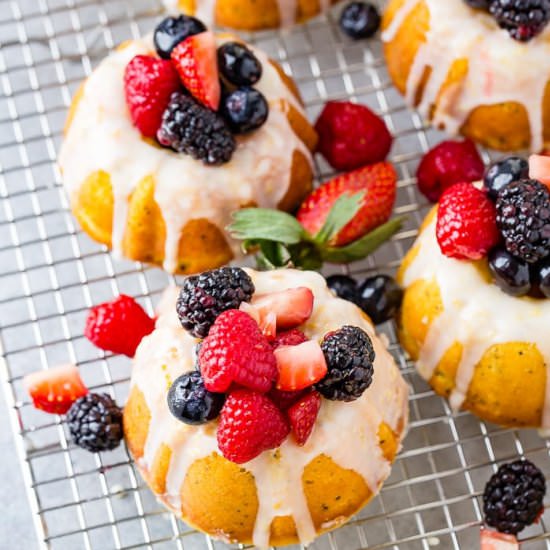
<point x="262" y="384"/>
<point x="513" y="497"/>
<point x="360" y="20"/>
<point x="523" y="19"/>
<point x="177" y="97"/>
<point x="506" y="220"/>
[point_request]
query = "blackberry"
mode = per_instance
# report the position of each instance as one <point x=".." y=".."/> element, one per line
<point x="511" y="274"/>
<point x="360" y="20"/>
<point x="173" y="30"/>
<point x="513" y="497"/>
<point x="190" y="402"/>
<point x="203" y="297"/>
<point x="245" y="110"/>
<point x="523" y="218"/>
<point x="523" y="19"/>
<point x="504" y="172"/>
<point x="380" y="297"/>
<point x="95" y="422"/>
<point x="238" y="64"/>
<point x="188" y="127"/>
<point x="349" y="355"/>
<point x="344" y="287"/>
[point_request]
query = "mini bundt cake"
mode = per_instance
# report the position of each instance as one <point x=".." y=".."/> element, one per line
<point x="472" y="70"/>
<point x="251" y="14"/>
<point x="324" y="413"/>
<point x="157" y="156"/>
<point x="476" y="310"/>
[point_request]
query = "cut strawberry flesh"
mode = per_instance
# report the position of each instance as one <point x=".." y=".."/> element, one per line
<point x="267" y="320"/>
<point x="55" y="390"/>
<point x="291" y="307"/>
<point x="493" y="540"/>
<point x="300" y="366"/>
<point x="539" y="168"/>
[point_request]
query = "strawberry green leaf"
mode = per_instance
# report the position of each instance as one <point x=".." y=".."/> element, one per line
<point x="341" y="213"/>
<point x="266" y="224"/>
<point x="272" y="254"/>
<point x="364" y="246"/>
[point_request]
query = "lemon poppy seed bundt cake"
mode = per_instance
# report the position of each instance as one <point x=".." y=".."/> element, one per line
<point x="251" y="14"/>
<point x="157" y="153"/>
<point x="481" y="72"/>
<point x="281" y="423"/>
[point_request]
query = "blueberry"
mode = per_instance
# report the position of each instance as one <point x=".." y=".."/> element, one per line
<point x="380" y="297"/>
<point x="344" y="287"/>
<point x="478" y="4"/>
<point x="238" y="64"/>
<point x="511" y="274"/>
<point x="190" y="402"/>
<point x="245" y="110"/>
<point x="173" y="30"/>
<point x="540" y="277"/>
<point x="360" y="20"/>
<point x="504" y="172"/>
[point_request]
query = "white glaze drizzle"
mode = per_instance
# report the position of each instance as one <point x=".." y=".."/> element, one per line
<point x="500" y="69"/>
<point x="476" y="314"/>
<point x="102" y="137"/>
<point x="278" y="476"/>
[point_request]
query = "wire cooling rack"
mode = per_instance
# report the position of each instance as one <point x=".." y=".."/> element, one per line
<point x="51" y="273"/>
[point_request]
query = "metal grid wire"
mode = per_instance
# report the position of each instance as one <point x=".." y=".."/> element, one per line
<point x="51" y="273"/>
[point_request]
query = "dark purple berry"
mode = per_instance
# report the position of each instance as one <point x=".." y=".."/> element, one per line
<point x="523" y="19"/>
<point x="244" y="110"/>
<point x="503" y="172"/>
<point x="510" y="273"/>
<point x="238" y="64"/>
<point x="360" y="20"/>
<point x="380" y="298"/>
<point x="344" y="287"/>
<point x="173" y="30"/>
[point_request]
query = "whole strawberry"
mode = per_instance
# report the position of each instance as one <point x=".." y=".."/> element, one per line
<point x="351" y="135"/>
<point x="302" y="416"/>
<point x="378" y="181"/>
<point x="466" y="223"/>
<point x="148" y="84"/>
<point x="250" y="423"/>
<point x="236" y="351"/>
<point x="448" y="163"/>
<point x="118" y="325"/>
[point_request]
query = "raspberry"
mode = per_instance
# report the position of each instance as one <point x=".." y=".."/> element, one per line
<point x="466" y="223"/>
<point x="302" y="416"/>
<point x="523" y="217"/>
<point x="250" y="423"/>
<point x="523" y="19"/>
<point x="285" y="399"/>
<point x="235" y="350"/>
<point x="351" y="135"/>
<point x="118" y="325"/>
<point x="513" y="497"/>
<point x="448" y="163"/>
<point x="291" y="337"/>
<point x="148" y="84"/>
<point x="203" y="297"/>
<point x="350" y="356"/>
<point x="95" y="422"/>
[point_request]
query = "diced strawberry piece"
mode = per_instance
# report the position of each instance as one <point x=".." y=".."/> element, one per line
<point x="292" y="306"/>
<point x="236" y="351"/>
<point x="302" y="416"/>
<point x="250" y="423"/>
<point x="493" y="540"/>
<point x="291" y="337"/>
<point x="118" y="325"/>
<point x="55" y="390"/>
<point x="539" y="168"/>
<point x="267" y="320"/>
<point x="300" y="366"/>
<point x="197" y="64"/>
<point x="148" y="84"/>
<point x="285" y="399"/>
<point x="378" y="181"/>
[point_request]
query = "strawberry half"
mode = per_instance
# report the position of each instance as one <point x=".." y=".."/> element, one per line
<point x="539" y="168"/>
<point x="55" y="390"/>
<point x="300" y="366"/>
<point x="302" y="416"/>
<point x="378" y="181"/>
<point x="196" y="61"/>
<point x="291" y="307"/>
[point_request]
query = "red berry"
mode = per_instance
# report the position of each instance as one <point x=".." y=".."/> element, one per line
<point x="493" y="540"/>
<point x="284" y="399"/>
<point x="466" y="223"/>
<point x="539" y="168"/>
<point x="351" y="135"/>
<point x="235" y="350"/>
<point x="250" y="423"/>
<point x="148" y="84"/>
<point x="291" y="307"/>
<point x="118" y="325"/>
<point x="448" y="163"/>
<point x="378" y="181"/>
<point x="291" y="337"/>
<point x="197" y="64"/>
<point x="55" y="390"/>
<point x="302" y="416"/>
<point x="300" y="366"/>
